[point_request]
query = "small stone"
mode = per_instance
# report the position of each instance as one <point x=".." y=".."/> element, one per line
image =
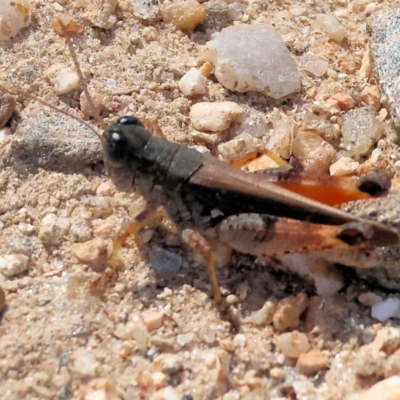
<point x="289" y="310"/>
<point x="387" y="340"/>
<point x="90" y="251"/>
<point x="236" y="147"/>
<point x="52" y="229"/>
<point x="64" y="79"/>
<point x="329" y="24"/>
<point x="65" y="25"/>
<point x="344" y="100"/>
<point x="292" y="344"/>
<point x="100" y="13"/>
<point x="264" y="315"/>
<point x="253" y="57"/>
<point x="159" y="379"/>
<point x="104" y="189"/>
<point x="281" y="139"/>
<point x="165" y="261"/>
<point x="371" y="96"/>
<point x="168" y="363"/>
<point x="360" y="131"/>
<point x="13" y="264"/>
<point x="167" y="393"/>
<point x="232" y="299"/>
<point x="388" y="308"/>
<point x="150" y="34"/>
<point x="314" y="65"/>
<point x="7" y="107"/>
<point x="312" y="362"/>
<point x="184" y="14"/>
<point x="344" y="166"/>
<point x="215" y="117"/>
<point x="152" y="320"/>
<point x="14" y="15"/>
<point x="193" y="83"/>
<point x="84" y="362"/>
<point x="143" y="9"/>
<point x="3" y="301"/>
<point x="184" y="338"/>
<point x="369" y="299"/>
<point x="312" y="152"/>
<point x="388" y="389"/>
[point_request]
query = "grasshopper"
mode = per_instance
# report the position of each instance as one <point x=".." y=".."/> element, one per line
<point x="210" y="200"/>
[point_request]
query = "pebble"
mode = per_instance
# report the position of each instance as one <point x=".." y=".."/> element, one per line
<point x="360" y="131"/>
<point x="3" y="301"/>
<point x="292" y="344"/>
<point x="387" y="340"/>
<point x="165" y="261"/>
<point x="371" y="96"/>
<point x="167" y="393"/>
<point x="52" y="229"/>
<point x="387" y="389"/>
<point x="329" y="24"/>
<point x="184" y="338"/>
<point x="100" y="13"/>
<point x="159" y="379"/>
<point x="369" y="299"/>
<point x="289" y="310"/>
<point x="264" y="315"/>
<point x="184" y="14"/>
<point x="90" y="251"/>
<point x="344" y="100"/>
<point x="312" y="362"/>
<point x="152" y="320"/>
<point x="14" y="15"/>
<point x="64" y="79"/>
<point x="344" y="166"/>
<point x="13" y="264"/>
<point x="281" y="139"/>
<point x="168" y="363"/>
<point x="253" y="57"/>
<point x="314" y="65"/>
<point x="84" y="362"/>
<point x="193" y="83"/>
<point x="104" y="189"/>
<point x="72" y="151"/>
<point x="65" y="25"/>
<point x="216" y="117"/>
<point x="385" y="310"/>
<point x="312" y="152"/>
<point x="7" y="107"/>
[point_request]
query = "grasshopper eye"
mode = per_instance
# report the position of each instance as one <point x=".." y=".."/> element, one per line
<point x="129" y="120"/>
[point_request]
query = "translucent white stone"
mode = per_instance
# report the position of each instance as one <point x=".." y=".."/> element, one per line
<point x="192" y="83"/>
<point x="253" y="57"/>
<point x="331" y="26"/>
<point x="14" y="15"/>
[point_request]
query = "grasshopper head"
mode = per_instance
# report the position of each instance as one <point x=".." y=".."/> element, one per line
<point x="124" y="142"/>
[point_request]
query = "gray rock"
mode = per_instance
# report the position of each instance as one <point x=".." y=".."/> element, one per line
<point x="50" y="140"/>
<point x="384" y="29"/>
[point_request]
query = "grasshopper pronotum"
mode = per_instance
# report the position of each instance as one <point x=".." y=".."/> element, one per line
<point x="207" y="198"/>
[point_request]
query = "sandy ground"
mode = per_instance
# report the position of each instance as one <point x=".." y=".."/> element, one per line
<point x="157" y="334"/>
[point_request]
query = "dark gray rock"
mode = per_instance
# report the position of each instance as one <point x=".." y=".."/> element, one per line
<point x="51" y="140"/>
<point x="384" y="29"/>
